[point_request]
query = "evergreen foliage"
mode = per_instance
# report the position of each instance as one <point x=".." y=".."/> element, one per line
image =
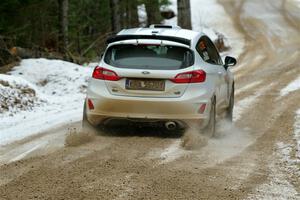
<point x="34" y="24"/>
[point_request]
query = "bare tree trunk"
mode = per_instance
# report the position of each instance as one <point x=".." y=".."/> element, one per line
<point x="184" y="14"/>
<point x="153" y="12"/>
<point x="64" y="24"/>
<point x="115" y="15"/>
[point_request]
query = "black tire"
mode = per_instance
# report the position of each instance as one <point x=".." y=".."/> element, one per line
<point x="210" y="129"/>
<point x="229" y="112"/>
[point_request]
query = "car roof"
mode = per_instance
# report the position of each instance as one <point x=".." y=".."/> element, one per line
<point x="162" y="30"/>
<point x="176" y="32"/>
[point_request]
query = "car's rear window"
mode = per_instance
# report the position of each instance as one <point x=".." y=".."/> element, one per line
<point x="148" y="56"/>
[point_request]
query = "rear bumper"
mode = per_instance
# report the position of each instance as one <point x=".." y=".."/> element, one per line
<point x="185" y="108"/>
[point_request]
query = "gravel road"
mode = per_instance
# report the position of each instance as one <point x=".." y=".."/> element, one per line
<point x="243" y="162"/>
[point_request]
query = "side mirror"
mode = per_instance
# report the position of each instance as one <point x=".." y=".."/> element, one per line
<point x="230" y="61"/>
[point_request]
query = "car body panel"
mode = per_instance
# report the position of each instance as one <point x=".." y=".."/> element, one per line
<point x="181" y="102"/>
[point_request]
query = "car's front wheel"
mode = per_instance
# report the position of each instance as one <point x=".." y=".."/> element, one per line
<point x="229" y="111"/>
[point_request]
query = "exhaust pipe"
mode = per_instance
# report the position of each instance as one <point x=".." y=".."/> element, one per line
<point x="170" y="126"/>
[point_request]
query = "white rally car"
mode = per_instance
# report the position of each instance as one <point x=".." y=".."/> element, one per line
<point x="163" y="75"/>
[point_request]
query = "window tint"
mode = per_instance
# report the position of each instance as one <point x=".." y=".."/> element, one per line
<point x="148" y="56"/>
<point x="208" y="51"/>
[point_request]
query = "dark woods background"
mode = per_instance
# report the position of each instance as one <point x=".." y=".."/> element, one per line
<point x="73" y="30"/>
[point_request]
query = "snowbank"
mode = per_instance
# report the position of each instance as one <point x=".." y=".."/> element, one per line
<point x="40" y="94"/>
<point x="16" y="95"/>
<point x="210" y="18"/>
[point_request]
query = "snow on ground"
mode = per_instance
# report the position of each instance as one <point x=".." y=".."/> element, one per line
<point x="142" y="15"/>
<point x="277" y="188"/>
<point x="293" y="86"/>
<point x="247" y="102"/>
<point x="297" y="2"/>
<point x="247" y="87"/>
<point x="297" y="135"/>
<point x="289" y="162"/>
<point x="290" y="153"/>
<point x="40" y="94"/>
<point x="210" y="18"/>
<point x="17" y="94"/>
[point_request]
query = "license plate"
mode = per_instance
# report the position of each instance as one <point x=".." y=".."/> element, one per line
<point x="141" y="84"/>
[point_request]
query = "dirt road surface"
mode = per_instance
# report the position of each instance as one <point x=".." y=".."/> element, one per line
<point x="242" y="163"/>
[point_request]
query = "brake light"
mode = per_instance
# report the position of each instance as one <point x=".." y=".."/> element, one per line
<point x="202" y="108"/>
<point x="105" y="74"/>
<point x="90" y="104"/>
<point x="197" y="76"/>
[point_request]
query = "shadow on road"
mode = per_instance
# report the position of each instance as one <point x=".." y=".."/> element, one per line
<point x="140" y="130"/>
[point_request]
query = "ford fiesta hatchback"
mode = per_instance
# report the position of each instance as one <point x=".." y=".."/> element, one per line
<point x="160" y="75"/>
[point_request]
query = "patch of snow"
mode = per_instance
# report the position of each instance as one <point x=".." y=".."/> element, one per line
<point x="296" y="2"/>
<point x="291" y="163"/>
<point x="25" y="153"/>
<point x="142" y="15"/>
<point x="278" y="186"/>
<point x="289" y="156"/>
<point x="253" y="60"/>
<point x="247" y="102"/>
<point x="243" y="105"/>
<point x="61" y="85"/>
<point x="291" y="87"/>
<point x="17" y="94"/>
<point x="290" y="153"/>
<point x="297" y="134"/>
<point x="273" y="22"/>
<point x="247" y="87"/>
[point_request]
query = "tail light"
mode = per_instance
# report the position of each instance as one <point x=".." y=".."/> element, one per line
<point x="202" y="108"/>
<point x="197" y="76"/>
<point x="90" y="104"/>
<point x="105" y="74"/>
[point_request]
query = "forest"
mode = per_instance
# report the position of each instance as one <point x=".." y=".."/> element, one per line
<point x="74" y="30"/>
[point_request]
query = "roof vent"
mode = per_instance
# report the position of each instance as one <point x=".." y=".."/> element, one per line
<point x="164" y="26"/>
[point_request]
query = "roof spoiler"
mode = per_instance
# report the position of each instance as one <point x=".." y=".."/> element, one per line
<point x="151" y="37"/>
<point x="164" y="26"/>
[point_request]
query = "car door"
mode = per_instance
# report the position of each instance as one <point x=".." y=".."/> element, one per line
<point x="222" y="74"/>
<point x="209" y="54"/>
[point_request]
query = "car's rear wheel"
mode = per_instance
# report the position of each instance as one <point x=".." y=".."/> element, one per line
<point x="229" y="112"/>
<point x="210" y="129"/>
